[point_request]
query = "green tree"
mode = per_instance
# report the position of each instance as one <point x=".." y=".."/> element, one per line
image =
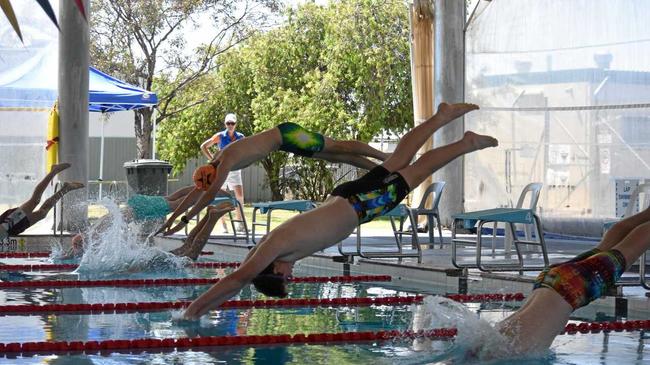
<point x="341" y="69"/>
<point x="144" y="42"/>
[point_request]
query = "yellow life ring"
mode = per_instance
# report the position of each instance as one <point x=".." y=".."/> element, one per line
<point x="52" y="146"/>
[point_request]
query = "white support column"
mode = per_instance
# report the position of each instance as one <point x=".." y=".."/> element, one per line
<point x="450" y="87"/>
<point x="73" y="108"/>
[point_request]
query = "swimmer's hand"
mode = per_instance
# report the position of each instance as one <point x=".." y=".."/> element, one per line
<point x="184" y="316"/>
<point x="165" y="228"/>
<point x="174" y="229"/>
<point x="168" y="223"/>
<point x="159" y="231"/>
<point x="178" y="316"/>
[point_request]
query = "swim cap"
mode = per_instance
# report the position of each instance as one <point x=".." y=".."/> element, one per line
<point x="203" y="176"/>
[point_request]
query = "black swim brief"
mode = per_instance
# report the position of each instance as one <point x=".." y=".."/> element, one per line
<point x="374" y="194"/>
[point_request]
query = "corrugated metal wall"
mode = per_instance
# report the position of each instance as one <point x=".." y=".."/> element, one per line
<point x="119" y="150"/>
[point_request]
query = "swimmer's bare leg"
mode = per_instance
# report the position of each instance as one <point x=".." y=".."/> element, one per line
<point x="49" y="202"/>
<point x="623" y="228"/>
<point x="190" y="237"/>
<point x="31" y="204"/>
<point x="180" y="193"/>
<point x="354" y="160"/>
<point x="439" y="157"/>
<point x="352" y="147"/>
<point x="415" y="138"/>
<point x="196" y="242"/>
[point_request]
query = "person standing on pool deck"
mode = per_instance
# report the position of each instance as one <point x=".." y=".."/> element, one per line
<point x="287" y="137"/>
<point x="16" y="220"/>
<point x="270" y="263"/>
<point x="233" y="181"/>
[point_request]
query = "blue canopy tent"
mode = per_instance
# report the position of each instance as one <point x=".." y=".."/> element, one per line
<point x="106" y="93"/>
<point x="30" y="87"/>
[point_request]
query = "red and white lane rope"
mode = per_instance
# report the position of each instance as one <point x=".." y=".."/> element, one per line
<point x="175" y="281"/>
<point x="270" y="303"/>
<point x="27" y="255"/>
<point x="23" y="255"/>
<point x="491" y="297"/>
<point x="597" y="327"/>
<point x="56" y="267"/>
<point x="232" y="304"/>
<point x="169" y="344"/>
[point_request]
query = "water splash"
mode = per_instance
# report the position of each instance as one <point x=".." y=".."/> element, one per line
<point x="116" y="245"/>
<point x="57" y="251"/>
<point x="477" y="341"/>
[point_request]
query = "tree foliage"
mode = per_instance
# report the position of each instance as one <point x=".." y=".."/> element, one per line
<point x="341" y="69"/>
<point x="145" y="43"/>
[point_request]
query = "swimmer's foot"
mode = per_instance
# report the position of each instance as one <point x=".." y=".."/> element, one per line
<point x="72" y="185"/>
<point x="59" y="167"/>
<point x="479" y="141"/>
<point x="178" y="251"/>
<point x="193" y="252"/>
<point x="448" y="112"/>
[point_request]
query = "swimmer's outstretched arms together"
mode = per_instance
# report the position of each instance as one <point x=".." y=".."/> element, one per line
<point x="287" y="137"/>
<point x="270" y="264"/>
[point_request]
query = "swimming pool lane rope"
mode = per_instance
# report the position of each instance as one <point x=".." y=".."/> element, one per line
<point x="151" y="345"/>
<point x="23" y="255"/>
<point x="30" y="255"/>
<point x="234" y="304"/>
<point x="176" y="281"/>
<point x="169" y="344"/>
<point x="56" y="267"/>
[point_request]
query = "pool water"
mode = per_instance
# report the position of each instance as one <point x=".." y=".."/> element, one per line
<point x="602" y="348"/>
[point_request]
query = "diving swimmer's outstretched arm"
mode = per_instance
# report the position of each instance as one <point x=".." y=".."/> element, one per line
<point x="183" y="206"/>
<point x="204" y="199"/>
<point x="230" y="285"/>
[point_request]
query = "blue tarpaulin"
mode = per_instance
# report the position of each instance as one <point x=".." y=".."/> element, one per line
<point x="106" y="93"/>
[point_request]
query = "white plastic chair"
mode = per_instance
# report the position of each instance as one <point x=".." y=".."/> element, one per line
<point x="432" y="213"/>
<point x="534" y="189"/>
